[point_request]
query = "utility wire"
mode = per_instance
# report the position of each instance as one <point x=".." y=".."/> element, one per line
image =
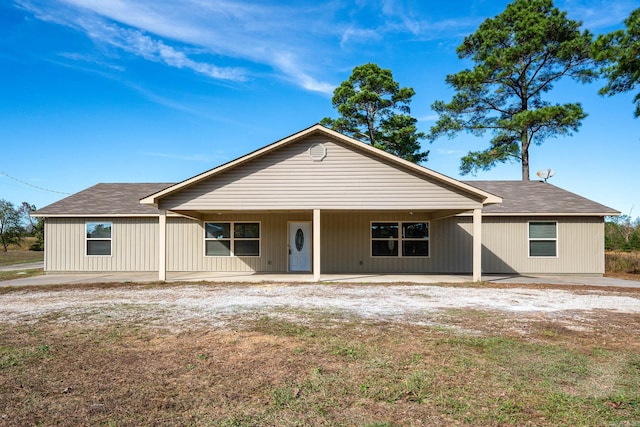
<point x="31" y="185"/>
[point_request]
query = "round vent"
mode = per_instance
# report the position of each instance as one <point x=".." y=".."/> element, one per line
<point x="317" y="152"/>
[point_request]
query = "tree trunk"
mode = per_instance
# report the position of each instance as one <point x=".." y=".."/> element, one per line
<point x="524" y="146"/>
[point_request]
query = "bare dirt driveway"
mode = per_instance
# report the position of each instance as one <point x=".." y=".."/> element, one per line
<point x="183" y="305"/>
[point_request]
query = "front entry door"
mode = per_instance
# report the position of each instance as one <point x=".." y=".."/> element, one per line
<point x="299" y="246"/>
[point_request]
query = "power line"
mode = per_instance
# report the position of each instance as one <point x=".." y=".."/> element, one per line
<point x="31" y="185"/>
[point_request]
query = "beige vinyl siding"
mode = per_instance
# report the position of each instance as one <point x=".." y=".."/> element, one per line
<point x="288" y="179"/>
<point x="134" y="245"/>
<point x="506" y="246"/>
<point x="185" y="243"/>
<point x="346" y="245"/>
<point x="345" y="241"/>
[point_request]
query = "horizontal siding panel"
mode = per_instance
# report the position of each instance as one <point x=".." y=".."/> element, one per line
<point x="185" y="243"/>
<point x="580" y="246"/>
<point x="288" y="179"/>
<point x="134" y="245"/>
<point x="345" y="243"/>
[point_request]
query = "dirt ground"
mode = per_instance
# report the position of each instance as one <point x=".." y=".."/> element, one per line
<point x="300" y="354"/>
<point x="183" y="305"/>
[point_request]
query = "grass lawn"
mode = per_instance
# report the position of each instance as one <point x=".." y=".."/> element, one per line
<point x="10" y="275"/>
<point x="20" y="254"/>
<point x="328" y="370"/>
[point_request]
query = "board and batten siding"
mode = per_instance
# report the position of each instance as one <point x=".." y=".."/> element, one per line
<point x="185" y="243"/>
<point x="506" y="246"/>
<point x="134" y="245"/>
<point x="346" y="244"/>
<point x="288" y="179"/>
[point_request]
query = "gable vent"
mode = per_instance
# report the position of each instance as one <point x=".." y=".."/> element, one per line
<point x="317" y="152"/>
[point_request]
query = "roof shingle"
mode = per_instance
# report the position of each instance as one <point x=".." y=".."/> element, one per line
<point x="519" y="197"/>
<point x="106" y="199"/>
<point x="537" y="197"/>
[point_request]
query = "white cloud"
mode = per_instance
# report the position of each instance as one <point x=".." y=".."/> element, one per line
<point x="136" y="42"/>
<point x="429" y="118"/>
<point x="296" y="39"/>
<point x="450" y="152"/>
<point x="598" y="14"/>
<point x="287" y="64"/>
<point x="166" y="31"/>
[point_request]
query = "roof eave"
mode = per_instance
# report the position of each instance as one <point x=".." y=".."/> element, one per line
<point x="568" y="214"/>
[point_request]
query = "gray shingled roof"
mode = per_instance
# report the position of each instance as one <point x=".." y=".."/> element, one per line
<point x="519" y="197"/>
<point x="537" y="197"/>
<point x="106" y="199"/>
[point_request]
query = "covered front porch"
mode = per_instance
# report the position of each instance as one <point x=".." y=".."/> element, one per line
<point x="340" y="246"/>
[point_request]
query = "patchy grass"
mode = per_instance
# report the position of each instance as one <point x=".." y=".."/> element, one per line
<point x="625" y="265"/>
<point x="329" y="370"/>
<point x="20" y="254"/>
<point x="19" y="274"/>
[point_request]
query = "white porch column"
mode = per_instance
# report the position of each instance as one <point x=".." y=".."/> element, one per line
<point x="477" y="245"/>
<point x="162" y="246"/>
<point x="316" y="245"/>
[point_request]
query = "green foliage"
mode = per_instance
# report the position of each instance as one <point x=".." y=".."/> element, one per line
<point x="619" y="54"/>
<point x="10" y="227"/>
<point x="38" y="233"/>
<point x="622" y="233"/>
<point x="375" y="109"/>
<point x="517" y="56"/>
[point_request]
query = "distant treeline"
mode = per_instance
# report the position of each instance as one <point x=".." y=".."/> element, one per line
<point x="622" y="233"/>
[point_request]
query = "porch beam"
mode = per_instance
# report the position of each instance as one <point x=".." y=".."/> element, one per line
<point x="316" y="245"/>
<point x="477" y="245"/>
<point x="162" y="246"/>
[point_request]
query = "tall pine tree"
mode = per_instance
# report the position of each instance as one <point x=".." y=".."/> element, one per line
<point x="375" y="109"/>
<point x="518" y="56"/>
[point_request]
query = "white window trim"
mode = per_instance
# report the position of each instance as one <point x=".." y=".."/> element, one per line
<point x="87" y="239"/>
<point x="400" y="239"/>
<point x="541" y="239"/>
<point x="231" y="239"/>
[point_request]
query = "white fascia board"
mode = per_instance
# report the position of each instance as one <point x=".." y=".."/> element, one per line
<point x="101" y="215"/>
<point x="542" y="214"/>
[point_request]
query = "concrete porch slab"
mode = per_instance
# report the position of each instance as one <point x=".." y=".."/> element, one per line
<point x="308" y="277"/>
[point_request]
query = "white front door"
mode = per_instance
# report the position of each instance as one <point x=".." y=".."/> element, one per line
<point x="299" y="246"/>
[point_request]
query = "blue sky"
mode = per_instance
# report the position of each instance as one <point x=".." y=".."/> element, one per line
<point x="158" y="90"/>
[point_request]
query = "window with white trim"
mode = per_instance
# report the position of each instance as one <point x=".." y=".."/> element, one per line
<point x="399" y="239"/>
<point x="543" y="239"/>
<point x="98" y="238"/>
<point x="232" y="238"/>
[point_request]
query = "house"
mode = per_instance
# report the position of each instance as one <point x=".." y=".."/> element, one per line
<point x="320" y="202"/>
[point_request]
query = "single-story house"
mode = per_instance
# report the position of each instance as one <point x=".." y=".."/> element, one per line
<point x="321" y="202"/>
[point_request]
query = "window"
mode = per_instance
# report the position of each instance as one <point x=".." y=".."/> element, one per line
<point x="543" y="239"/>
<point x="232" y="238"/>
<point x="395" y="239"/>
<point x="98" y="238"/>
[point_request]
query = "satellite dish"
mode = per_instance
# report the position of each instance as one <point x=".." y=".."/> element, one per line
<point x="546" y="174"/>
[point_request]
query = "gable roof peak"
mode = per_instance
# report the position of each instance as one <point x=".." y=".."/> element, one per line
<point x="487" y="197"/>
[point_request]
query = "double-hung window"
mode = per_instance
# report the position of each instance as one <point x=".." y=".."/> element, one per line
<point x="400" y="239"/>
<point x="543" y="239"/>
<point x="98" y="238"/>
<point x="232" y="238"/>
